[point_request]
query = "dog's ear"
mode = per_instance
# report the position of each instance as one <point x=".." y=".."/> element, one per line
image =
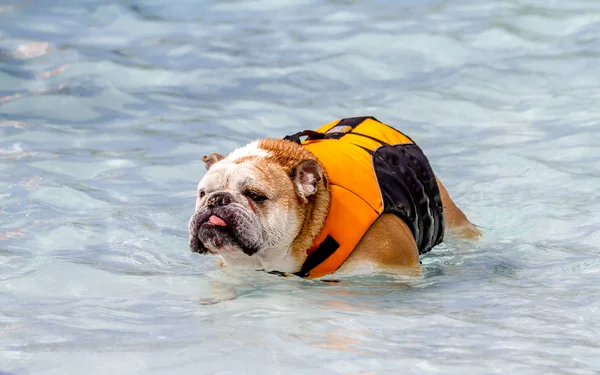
<point x="306" y="176"/>
<point x="211" y="159"/>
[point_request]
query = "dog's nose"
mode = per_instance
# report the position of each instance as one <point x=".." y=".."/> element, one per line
<point x="219" y="199"/>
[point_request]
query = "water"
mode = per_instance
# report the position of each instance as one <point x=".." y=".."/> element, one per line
<point x="107" y="107"/>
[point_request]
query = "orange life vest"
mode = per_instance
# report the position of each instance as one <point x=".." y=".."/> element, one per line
<point x="372" y="169"/>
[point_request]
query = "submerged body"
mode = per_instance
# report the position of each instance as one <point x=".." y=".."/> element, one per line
<point x="356" y="193"/>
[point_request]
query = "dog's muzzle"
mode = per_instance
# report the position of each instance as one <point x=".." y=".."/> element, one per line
<point x="233" y="233"/>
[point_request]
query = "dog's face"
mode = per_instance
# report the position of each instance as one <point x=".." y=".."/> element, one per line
<point x="252" y="204"/>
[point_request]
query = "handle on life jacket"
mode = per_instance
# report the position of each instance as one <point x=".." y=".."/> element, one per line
<point x="311" y="134"/>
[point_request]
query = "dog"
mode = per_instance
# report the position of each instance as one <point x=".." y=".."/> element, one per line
<point x="354" y="195"/>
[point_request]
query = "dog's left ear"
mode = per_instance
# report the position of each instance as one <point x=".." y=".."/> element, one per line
<point x="211" y="159"/>
<point x="306" y="176"/>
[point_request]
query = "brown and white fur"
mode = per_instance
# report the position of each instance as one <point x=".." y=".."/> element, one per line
<point x="262" y="206"/>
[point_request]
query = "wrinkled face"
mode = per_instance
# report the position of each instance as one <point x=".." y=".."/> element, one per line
<point x="245" y="205"/>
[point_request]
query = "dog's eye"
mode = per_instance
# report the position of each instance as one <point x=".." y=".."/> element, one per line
<point x="255" y="196"/>
<point x="201" y="194"/>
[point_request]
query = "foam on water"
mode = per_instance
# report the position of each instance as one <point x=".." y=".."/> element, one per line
<point x="106" y="109"/>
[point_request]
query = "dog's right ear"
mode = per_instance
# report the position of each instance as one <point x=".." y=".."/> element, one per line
<point x="211" y="159"/>
<point x="306" y="176"/>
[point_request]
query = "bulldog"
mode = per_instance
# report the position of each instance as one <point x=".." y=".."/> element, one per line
<point x="356" y="195"/>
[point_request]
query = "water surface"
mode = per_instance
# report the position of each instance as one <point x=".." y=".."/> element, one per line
<point x="107" y="107"/>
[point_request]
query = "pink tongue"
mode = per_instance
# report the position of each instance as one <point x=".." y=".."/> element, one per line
<point x="215" y="220"/>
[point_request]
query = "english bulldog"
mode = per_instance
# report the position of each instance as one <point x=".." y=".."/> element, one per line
<point x="355" y="196"/>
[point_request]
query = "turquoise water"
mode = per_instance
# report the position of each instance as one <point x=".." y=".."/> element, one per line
<point x="107" y="107"/>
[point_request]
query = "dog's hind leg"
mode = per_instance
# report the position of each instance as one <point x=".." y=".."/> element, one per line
<point x="457" y="223"/>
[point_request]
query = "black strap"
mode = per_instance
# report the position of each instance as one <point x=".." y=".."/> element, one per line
<point x="371" y="138"/>
<point x="321" y="253"/>
<point x="352" y="122"/>
<point x="311" y="134"/>
<point x="278" y="273"/>
<point x="355" y="121"/>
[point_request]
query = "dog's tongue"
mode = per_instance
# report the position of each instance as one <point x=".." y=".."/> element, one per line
<point x="215" y="220"/>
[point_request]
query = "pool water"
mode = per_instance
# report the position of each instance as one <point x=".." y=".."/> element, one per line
<point x="106" y="109"/>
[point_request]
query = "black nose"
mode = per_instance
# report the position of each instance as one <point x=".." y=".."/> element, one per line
<point x="219" y="199"/>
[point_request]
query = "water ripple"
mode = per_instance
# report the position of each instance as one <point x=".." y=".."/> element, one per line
<point x="107" y="108"/>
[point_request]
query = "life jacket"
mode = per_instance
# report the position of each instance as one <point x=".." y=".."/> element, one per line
<point x="372" y="169"/>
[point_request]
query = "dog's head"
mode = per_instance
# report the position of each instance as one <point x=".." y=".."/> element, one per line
<point x="263" y="200"/>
